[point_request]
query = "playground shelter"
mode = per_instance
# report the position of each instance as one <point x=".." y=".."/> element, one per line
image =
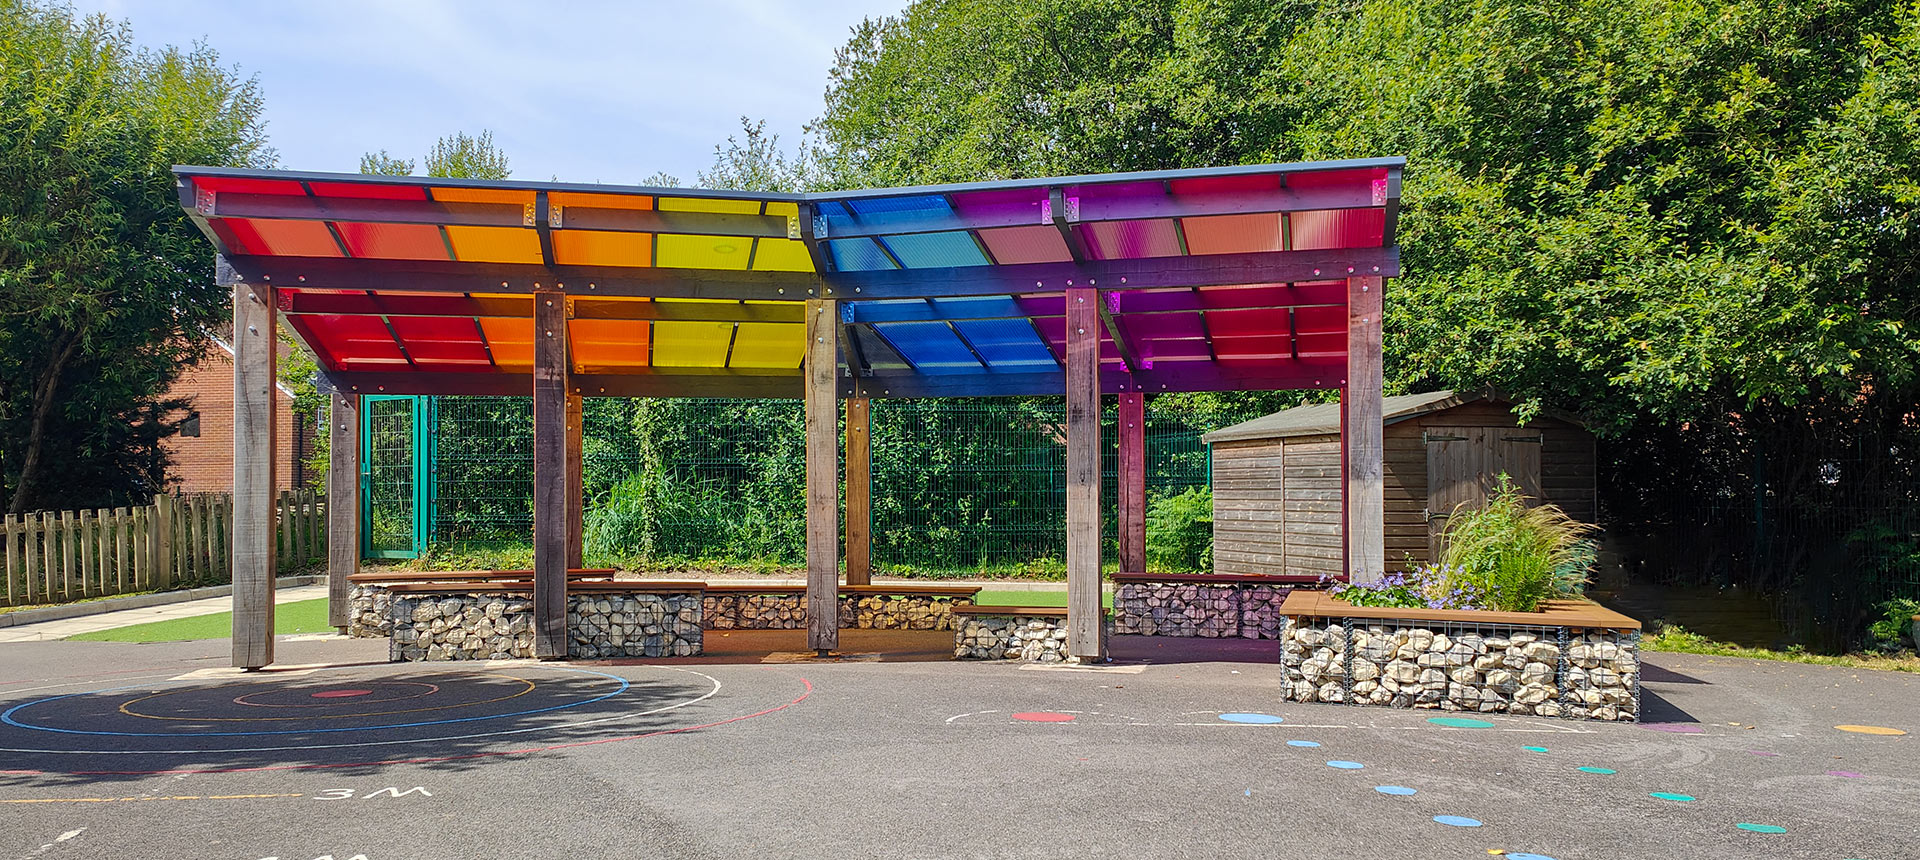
<point x="1259" y="277"/>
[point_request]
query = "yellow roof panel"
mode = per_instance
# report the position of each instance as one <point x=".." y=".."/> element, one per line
<point x="778" y="345"/>
<point x="782" y="255"/>
<point x="691" y="344"/>
<point x="702" y="204"/>
<point x="703" y="252"/>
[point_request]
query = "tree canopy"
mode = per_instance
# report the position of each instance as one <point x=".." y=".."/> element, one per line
<point x="106" y="286"/>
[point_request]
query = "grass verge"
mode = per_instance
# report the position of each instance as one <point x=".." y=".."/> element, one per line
<point x="1676" y="640"/>
<point x="300" y="616"/>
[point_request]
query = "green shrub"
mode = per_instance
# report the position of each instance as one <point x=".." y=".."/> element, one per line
<point x="1509" y="557"/>
<point x="1180" y="532"/>
<point x="1895" y="623"/>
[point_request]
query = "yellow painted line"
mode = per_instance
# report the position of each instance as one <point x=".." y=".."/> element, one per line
<point x="138" y="799"/>
<point x="1870" y="730"/>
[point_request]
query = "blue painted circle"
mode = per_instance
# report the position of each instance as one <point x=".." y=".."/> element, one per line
<point x="1459" y="723"/>
<point x="8" y="718"/>
<point x="1303" y="743"/>
<point x="1346" y="765"/>
<point x="1457" y="820"/>
<point x="1603" y="770"/>
<point x="1255" y="719"/>
<point x="1395" y="790"/>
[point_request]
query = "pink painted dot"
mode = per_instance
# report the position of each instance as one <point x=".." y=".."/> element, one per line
<point x="1043" y="717"/>
<point x="340" y="694"/>
<point x="1674" y="728"/>
<point x="1847" y="773"/>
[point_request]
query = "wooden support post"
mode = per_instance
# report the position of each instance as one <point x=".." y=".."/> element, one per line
<point x="343" y="506"/>
<point x="1133" y="482"/>
<point x="859" y="492"/>
<point x="254" y="394"/>
<point x="576" y="485"/>
<point x="550" y="537"/>
<point x="1086" y="622"/>
<point x="1363" y="443"/>
<point x="821" y="369"/>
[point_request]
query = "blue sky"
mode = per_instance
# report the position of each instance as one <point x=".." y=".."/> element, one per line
<point x="582" y="90"/>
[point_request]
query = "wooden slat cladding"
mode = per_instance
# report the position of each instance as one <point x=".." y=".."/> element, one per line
<point x="1277" y="501"/>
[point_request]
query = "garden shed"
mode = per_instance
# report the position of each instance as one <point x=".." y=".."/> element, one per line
<point x="1277" y="503"/>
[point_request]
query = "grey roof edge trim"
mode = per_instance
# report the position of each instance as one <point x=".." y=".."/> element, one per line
<point x="1398" y="408"/>
<point x="186" y="171"/>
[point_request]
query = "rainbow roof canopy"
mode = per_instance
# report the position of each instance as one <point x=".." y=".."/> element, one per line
<point x="1230" y="278"/>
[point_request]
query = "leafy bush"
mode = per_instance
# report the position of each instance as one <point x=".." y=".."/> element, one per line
<point x="1895" y="623"/>
<point x="1180" y="531"/>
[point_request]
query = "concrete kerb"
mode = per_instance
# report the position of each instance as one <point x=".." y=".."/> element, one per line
<point x="138" y="601"/>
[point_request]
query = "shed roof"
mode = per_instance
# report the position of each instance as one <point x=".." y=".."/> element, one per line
<point x="1230" y="278"/>
<point x="1315" y="419"/>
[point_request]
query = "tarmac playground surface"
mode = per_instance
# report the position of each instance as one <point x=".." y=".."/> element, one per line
<point x="1182" y="748"/>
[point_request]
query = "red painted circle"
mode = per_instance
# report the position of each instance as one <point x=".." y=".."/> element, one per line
<point x="1043" y="717"/>
<point x="340" y="694"/>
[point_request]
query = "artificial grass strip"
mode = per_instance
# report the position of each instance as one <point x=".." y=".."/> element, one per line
<point x="300" y="616"/>
<point x="990" y="597"/>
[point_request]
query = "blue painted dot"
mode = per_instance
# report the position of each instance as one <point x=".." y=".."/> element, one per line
<point x="1459" y="723"/>
<point x="1761" y="828"/>
<point x="1457" y="820"/>
<point x="1256" y="719"/>
<point x="1668" y="795"/>
<point x="1395" y="790"/>
<point x="1534" y="749"/>
<point x="1303" y="743"/>
<point x="1346" y="765"/>
<point x="1597" y="770"/>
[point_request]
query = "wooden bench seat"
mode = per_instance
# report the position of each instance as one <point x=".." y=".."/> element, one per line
<point x="1288" y="579"/>
<point x="731" y="588"/>
<point x="518" y="586"/>
<point x="382" y="577"/>
<point x="916" y="590"/>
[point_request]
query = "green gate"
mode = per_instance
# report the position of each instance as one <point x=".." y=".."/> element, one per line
<point x="396" y="475"/>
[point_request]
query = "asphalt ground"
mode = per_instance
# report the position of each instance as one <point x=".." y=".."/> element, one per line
<point x="156" y="751"/>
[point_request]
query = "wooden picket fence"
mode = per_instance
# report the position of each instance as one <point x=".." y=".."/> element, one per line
<point x="58" y="556"/>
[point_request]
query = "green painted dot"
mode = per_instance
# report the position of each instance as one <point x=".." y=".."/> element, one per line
<point x="1761" y="828"/>
<point x="1668" y="795"/>
<point x="1459" y="723"/>
<point x="1598" y="770"/>
<point x="1534" y="749"/>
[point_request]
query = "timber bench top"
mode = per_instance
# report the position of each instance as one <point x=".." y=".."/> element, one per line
<point x="1584" y="614"/>
<point x="1220" y="578"/>
<point x="750" y="588"/>
<point x="385" y="576"/>
<point x="517" y="586"/>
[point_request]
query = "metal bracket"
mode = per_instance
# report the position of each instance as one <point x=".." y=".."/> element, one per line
<point x="793" y="226"/>
<point x="203" y="201"/>
<point x="526" y="215"/>
<point x="556" y="215"/>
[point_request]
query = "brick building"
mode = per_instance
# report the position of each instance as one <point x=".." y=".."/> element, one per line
<point x="202" y="452"/>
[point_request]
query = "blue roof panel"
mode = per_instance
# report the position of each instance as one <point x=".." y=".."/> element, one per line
<point x="1008" y="345"/>
<point x="935" y="250"/>
<point x="932" y="347"/>
<point x="858" y="255"/>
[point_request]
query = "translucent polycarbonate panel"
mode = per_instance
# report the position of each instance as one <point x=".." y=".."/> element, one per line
<point x="701" y="204"/>
<point x="783" y="209"/>
<point x="248" y="185"/>
<point x="596" y="248"/>
<point x="1130" y="240"/>
<point x="781" y="255"/>
<point x="494" y="244"/>
<point x="1337" y="228"/>
<point x="691" y="344"/>
<point x="1216" y="186"/>
<point x="511" y="341"/>
<point x="858" y="255"/>
<point x="1010" y="245"/>
<point x="1249" y="322"/>
<point x="607" y="345"/>
<point x="935" y="250"/>
<point x="355" y="342"/>
<point x="1013" y="204"/>
<point x="1233" y="234"/>
<point x="1010" y="344"/>
<point x="442" y="343"/>
<point x="769" y="345"/>
<point x="503" y="196"/>
<point x="932" y="347"/>
<point x="393" y="241"/>
<point x="882" y="211"/>
<point x="367" y="190"/>
<point x="600" y="201"/>
<point x="281" y="238"/>
<point x="702" y="252"/>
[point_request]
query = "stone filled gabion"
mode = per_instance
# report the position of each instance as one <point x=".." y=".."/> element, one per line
<point x="1486" y="669"/>
<point x="1203" y="610"/>
<point x="369" y="612"/>
<point x="483" y="626"/>
<point x="1041" y="639"/>
<point x="861" y="612"/>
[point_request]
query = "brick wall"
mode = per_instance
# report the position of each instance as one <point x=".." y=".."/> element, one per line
<point x="205" y="463"/>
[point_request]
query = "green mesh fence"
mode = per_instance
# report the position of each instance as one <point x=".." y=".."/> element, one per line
<point x="957" y="484"/>
<point x="391" y="494"/>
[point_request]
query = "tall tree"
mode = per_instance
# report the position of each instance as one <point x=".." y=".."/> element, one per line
<point x="464" y="156"/>
<point x="106" y="287"/>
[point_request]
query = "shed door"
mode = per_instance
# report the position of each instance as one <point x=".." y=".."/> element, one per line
<point x="1462" y="463"/>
